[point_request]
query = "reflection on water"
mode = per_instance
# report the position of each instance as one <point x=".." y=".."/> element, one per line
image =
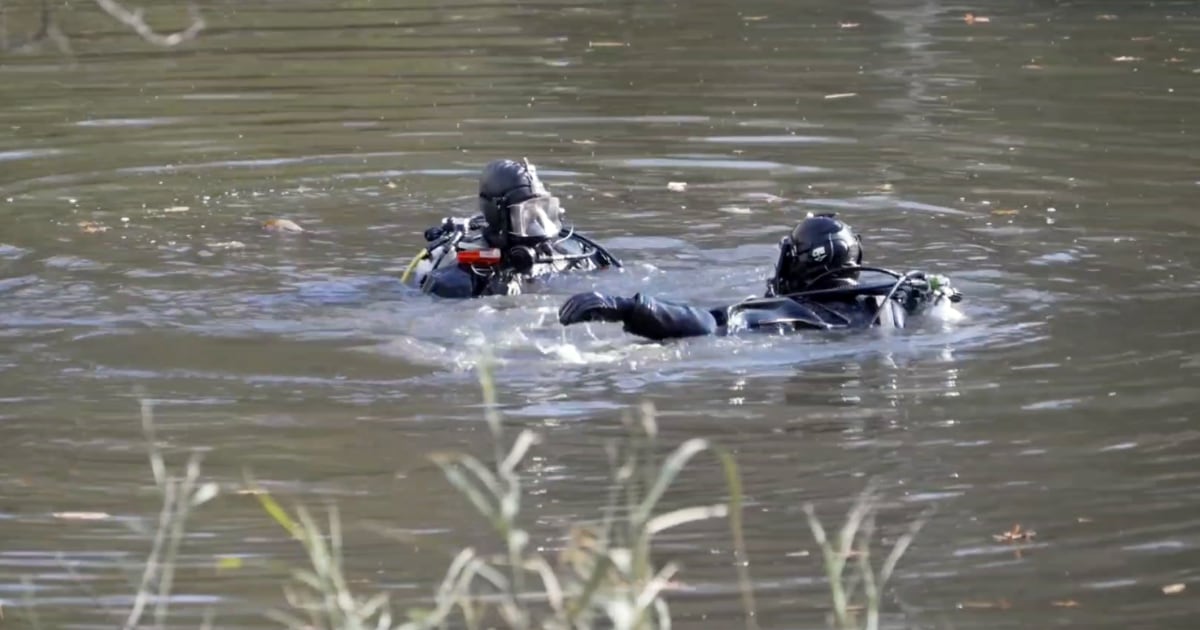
<point x="1042" y="159"/>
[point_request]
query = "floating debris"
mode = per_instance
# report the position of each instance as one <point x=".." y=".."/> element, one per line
<point x="91" y="227"/>
<point x="677" y="186"/>
<point x="830" y="97"/>
<point x="1106" y="17"/>
<point x="282" y="225"/>
<point x="971" y="19"/>
<point x="82" y="516"/>
<point x="390" y="184"/>
<point x="173" y="209"/>
<point x="848" y="25"/>
<point x="1124" y="58"/>
<point x="229" y="563"/>
<point x="1067" y="603"/>
<point x="1016" y="534"/>
<point x="1173" y="589"/>
<point x="228" y="245"/>
<point x="754" y="18"/>
<point x="607" y="44"/>
<point x="1001" y="604"/>
<point x="764" y="197"/>
<point x="1005" y="211"/>
<point x="583" y="142"/>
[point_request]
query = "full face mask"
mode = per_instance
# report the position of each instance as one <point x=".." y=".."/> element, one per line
<point x="535" y="219"/>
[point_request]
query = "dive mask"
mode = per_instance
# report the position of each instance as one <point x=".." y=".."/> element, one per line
<point x="539" y="217"/>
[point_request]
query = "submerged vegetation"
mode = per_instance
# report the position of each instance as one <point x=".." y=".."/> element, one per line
<point x="606" y="576"/>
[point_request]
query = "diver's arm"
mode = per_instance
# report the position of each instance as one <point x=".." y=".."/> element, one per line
<point x="656" y="319"/>
<point x="642" y="316"/>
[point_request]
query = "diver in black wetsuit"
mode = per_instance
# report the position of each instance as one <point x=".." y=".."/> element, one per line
<point x="517" y="239"/>
<point x="815" y="286"/>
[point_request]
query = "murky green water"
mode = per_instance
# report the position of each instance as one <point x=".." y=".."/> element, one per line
<point x="1045" y="159"/>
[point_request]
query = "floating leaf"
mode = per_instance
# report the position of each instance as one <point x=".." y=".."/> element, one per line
<point x="972" y="19"/>
<point x="607" y="44"/>
<point x="229" y="563"/>
<point x="282" y="225"/>
<point x="91" y="227"/>
<point x="1015" y="534"/>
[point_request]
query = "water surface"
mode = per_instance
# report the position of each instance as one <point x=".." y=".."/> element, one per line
<point x="1045" y="159"/>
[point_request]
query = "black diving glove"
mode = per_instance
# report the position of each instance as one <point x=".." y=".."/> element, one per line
<point x="594" y="307"/>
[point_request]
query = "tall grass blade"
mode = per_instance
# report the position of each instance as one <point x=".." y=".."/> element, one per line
<point x="670" y="470"/>
<point x="676" y="518"/>
<point x="278" y="514"/>
<point x="733" y="481"/>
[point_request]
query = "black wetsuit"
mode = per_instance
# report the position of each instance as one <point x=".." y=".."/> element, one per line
<point x="846" y="306"/>
<point x="467" y="281"/>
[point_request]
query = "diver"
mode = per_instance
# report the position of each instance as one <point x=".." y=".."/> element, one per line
<point x="517" y="239"/>
<point x="815" y="287"/>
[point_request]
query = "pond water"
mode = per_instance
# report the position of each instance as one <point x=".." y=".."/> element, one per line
<point x="1043" y="158"/>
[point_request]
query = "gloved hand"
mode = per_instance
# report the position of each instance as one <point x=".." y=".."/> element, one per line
<point x="594" y="307"/>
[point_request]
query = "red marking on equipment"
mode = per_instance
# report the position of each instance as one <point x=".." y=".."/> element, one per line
<point x="486" y="257"/>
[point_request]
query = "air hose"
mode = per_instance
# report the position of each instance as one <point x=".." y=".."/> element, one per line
<point x="421" y="255"/>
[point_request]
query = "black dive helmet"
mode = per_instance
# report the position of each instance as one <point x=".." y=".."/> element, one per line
<point x="820" y="248"/>
<point x="516" y="205"/>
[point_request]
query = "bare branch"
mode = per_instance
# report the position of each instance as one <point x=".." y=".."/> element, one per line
<point x="133" y="19"/>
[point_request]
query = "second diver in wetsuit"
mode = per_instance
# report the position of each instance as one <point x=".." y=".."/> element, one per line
<point x="815" y="286"/>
